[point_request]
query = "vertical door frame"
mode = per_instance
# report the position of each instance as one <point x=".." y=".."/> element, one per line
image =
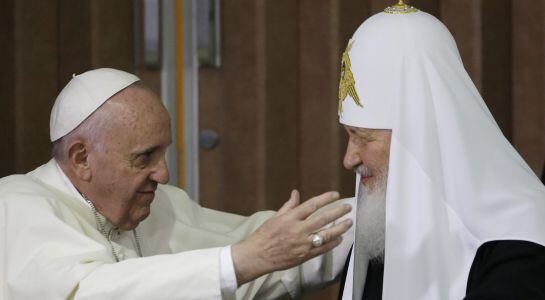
<point x="179" y="92"/>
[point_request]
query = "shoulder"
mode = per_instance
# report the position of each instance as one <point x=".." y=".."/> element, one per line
<point x="23" y="192"/>
<point x="15" y="183"/>
<point x="507" y="269"/>
<point x="20" y="185"/>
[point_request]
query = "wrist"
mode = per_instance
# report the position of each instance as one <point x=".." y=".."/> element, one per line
<point x="248" y="265"/>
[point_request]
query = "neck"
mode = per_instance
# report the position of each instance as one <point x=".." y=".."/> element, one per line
<point x="82" y="188"/>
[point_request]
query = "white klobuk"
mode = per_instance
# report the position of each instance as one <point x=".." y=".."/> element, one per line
<point x="454" y="180"/>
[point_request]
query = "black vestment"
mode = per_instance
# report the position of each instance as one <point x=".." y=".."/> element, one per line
<point x="501" y="270"/>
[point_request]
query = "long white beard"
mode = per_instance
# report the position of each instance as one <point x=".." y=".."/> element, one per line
<point x="371" y="219"/>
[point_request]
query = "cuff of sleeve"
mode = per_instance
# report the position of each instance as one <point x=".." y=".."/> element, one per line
<point x="227" y="272"/>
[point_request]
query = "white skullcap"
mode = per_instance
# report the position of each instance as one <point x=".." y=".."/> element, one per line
<point x="83" y="95"/>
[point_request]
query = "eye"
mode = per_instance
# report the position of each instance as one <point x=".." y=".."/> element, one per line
<point x="363" y="139"/>
<point x="143" y="159"/>
<point x="358" y="141"/>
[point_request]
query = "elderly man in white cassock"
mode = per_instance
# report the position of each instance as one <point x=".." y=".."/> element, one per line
<point x="99" y="222"/>
<point x="446" y="208"/>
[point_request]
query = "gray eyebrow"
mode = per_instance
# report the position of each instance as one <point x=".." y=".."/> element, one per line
<point x="364" y="134"/>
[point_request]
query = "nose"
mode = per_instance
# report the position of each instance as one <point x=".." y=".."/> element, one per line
<point x="351" y="157"/>
<point x="160" y="173"/>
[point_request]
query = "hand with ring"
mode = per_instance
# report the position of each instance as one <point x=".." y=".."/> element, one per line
<point x="291" y="237"/>
<point x="317" y="240"/>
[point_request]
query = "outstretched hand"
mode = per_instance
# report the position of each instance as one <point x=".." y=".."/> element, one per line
<point x="284" y="241"/>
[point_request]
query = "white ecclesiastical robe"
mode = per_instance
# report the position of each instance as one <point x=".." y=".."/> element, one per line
<point x="50" y="248"/>
<point x="455" y="183"/>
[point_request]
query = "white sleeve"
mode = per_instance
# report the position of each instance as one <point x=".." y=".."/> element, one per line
<point x="228" y="276"/>
<point x="186" y="275"/>
<point x="46" y="258"/>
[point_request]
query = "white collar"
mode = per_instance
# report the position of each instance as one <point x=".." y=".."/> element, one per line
<point x="74" y="192"/>
<point x="70" y="185"/>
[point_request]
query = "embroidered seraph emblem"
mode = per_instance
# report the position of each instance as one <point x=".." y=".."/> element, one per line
<point x="347" y="84"/>
<point x="400" y="8"/>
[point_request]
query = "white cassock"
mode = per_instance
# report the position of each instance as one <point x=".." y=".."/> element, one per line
<point x="50" y="248"/>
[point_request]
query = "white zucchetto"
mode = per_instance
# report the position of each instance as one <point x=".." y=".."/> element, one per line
<point x="84" y="94"/>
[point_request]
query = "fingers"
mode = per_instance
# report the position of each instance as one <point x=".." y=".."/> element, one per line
<point x="337" y="230"/>
<point x="332" y="238"/>
<point x="315" y="223"/>
<point x="325" y="247"/>
<point x="310" y="206"/>
<point x="292" y="202"/>
<point x="334" y="232"/>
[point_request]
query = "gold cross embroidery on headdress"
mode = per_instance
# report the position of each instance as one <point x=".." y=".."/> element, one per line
<point x="347" y="84"/>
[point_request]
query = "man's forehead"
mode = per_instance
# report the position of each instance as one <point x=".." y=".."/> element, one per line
<point x="136" y="116"/>
<point x="137" y="100"/>
<point x="361" y="130"/>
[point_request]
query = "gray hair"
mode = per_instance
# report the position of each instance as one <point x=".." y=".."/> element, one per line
<point x="90" y="130"/>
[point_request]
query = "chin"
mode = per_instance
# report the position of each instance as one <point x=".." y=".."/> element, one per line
<point x="134" y="219"/>
<point x="142" y="214"/>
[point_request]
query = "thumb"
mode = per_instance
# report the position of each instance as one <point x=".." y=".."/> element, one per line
<point x="291" y="203"/>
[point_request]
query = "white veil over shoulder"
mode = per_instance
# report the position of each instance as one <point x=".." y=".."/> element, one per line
<point x="454" y="180"/>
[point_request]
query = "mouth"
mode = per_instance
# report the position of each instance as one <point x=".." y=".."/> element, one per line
<point x="147" y="193"/>
<point x="365" y="179"/>
<point x="149" y="190"/>
<point x="365" y="174"/>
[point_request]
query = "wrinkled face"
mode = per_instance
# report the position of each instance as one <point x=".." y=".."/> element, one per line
<point x="368" y="153"/>
<point x="130" y="161"/>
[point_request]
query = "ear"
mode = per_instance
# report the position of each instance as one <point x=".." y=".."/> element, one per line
<point x="78" y="160"/>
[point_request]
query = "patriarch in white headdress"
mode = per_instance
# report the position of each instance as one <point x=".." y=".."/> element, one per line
<point x="453" y="180"/>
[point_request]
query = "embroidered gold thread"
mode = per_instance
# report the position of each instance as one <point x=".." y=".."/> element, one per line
<point x="347" y="84"/>
<point x="400" y="8"/>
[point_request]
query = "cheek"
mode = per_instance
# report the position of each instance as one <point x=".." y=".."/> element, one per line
<point x="374" y="158"/>
<point x="111" y="177"/>
<point x="117" y="183"/>
<point x="369" y="156"/>
<point x="133" y="184"/>
<point x="104" y="168"/>
<point x="139" y="179"/>
<point x="383" y="160"/>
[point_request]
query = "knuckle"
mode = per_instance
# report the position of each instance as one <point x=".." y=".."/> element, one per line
<point x="328" y="215"/>
<point x="326" y="236"/>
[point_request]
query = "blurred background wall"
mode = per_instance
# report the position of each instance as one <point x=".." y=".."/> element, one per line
<point x="272" y="97"/>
